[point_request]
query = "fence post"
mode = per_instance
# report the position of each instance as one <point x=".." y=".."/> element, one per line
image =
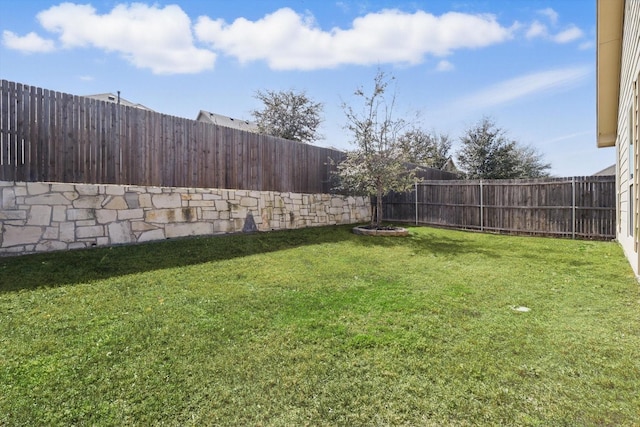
<point x="415" y="185"/>
<point x="481" y="208"/>
<point x="573" y="207"/>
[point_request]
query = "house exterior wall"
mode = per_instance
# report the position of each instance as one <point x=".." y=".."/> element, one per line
<point x="42" y="217"/>
<point x="627" y="140"/>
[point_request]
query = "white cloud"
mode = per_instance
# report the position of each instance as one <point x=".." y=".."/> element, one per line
<point x="343" y="6"/>
<point x="586" y="45"/>
<point x="570" y="34"/>
<point x="147" y="36"/>
<point x="445" y="65"/>
<point x="527" y="85"/>
<point x="30" y="43"/>
<point x="536" y="29"/>
<point x="551" y="14"/>
<point x="161" y="38"/>
<point x="287" y="40"/>
<point x="565" y="137"/>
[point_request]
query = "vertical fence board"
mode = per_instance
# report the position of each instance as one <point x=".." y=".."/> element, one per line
<point x="66" y="160"/>
<point x="5" y="129"/>
<point x="100" y="142"/>
<point x="119" y="133"/>
<point x="129" y="150"/>
<point x="112" y="145"/>
<point x="76" y="130"/>
<point x="21" y="136"/>
<point x="92" y="140"/>
<point x="83" y="138"/>
<point x="219" y="149"/>
<point x="206" y="154"/>
<point x="226" y="164"/>
<point x="229" y="166"/>
<point x="158" y="144"/>
<point x="138" y="161"/>
<point x="241" y="175"/>
<point x="8" y="148"/>
<point x="190" y="159"/>
<point x="182" y="153"/>
<point x="23" y="163"/>
<point x="57" y="145"/>
<point x="268" y="160"/>
<point x="43" y="135"/>
<point x="64" y="156"/>
<point x="34" y="151"/>
<point x="151" y="142"/>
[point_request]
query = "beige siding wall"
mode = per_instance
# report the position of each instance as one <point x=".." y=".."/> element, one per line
<point x="628" y="131"/>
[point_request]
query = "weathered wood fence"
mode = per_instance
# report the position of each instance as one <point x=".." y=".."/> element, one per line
<point x="578" y="207"/>
<point x="52" y="136"/>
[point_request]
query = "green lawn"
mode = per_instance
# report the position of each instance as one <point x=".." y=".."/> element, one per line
<point x="323" y="327"/>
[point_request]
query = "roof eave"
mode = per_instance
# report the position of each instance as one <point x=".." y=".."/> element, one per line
<point x="610" y="20"/>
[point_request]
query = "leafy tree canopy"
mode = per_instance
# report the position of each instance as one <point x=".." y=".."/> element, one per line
<point x="425" y="148"/>
<point x="486" y="153"/>
<point x="288" y="114"/>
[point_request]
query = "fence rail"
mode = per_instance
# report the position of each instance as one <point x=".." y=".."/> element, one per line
<point x="578" y="207"/>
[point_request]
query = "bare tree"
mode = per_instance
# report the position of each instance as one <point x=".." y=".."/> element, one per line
<point x="378" y="163"/>
<point x="289" y="114"/>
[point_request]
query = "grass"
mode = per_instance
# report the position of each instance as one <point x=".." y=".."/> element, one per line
<point x="322" y="327"/>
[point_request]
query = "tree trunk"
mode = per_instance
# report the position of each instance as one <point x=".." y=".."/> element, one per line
<point x="379" y="207"/>
<point x="374" y="214"/>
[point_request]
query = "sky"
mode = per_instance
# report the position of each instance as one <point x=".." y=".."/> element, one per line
<point x="527" y="65"/>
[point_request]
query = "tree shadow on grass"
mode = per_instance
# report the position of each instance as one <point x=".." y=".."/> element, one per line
<point x="425" y="243"/>
<point x="54" y="269"/>
<point x="86" y="265"/>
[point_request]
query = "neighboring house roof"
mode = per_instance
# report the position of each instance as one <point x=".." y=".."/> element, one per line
<point x="610" y="21"/>
<point x="450" y="166"/>
<point x="217" y="119"/>
<point x="611" y="170"/>
<point x="110" y="97"/>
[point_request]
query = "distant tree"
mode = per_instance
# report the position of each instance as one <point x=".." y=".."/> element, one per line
<point x="378" y="163"/>
<point x="530" y="164"/>
<point x="426" y="149"/>
<point x="487" y="153"/>
<point x="288" y="114"/>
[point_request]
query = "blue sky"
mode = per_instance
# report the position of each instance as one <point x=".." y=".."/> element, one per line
<point x="529" y="65"/>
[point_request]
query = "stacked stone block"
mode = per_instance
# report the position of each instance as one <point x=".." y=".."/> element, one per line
<point x="40" y="217"/>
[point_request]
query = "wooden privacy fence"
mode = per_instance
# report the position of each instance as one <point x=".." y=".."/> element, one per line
<point x="52" y="136"/>
<point x="578" y="207"/>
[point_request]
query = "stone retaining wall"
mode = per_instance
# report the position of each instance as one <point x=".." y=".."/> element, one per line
<point x="40" y="217"/>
